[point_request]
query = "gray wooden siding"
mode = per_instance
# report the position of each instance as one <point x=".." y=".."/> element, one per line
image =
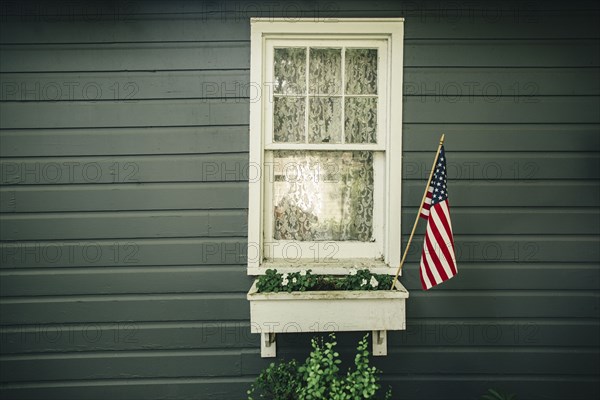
<point x="124" y="170"/>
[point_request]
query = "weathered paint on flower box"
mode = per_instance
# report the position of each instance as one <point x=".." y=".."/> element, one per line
<point x="327" y="311"/>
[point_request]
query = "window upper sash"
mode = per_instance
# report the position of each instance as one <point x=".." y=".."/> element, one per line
<point x="301" y="100"/>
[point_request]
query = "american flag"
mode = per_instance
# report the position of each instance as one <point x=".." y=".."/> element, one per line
<point x="438" y="263"/>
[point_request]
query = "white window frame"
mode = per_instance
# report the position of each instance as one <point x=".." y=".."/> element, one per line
<point x="382" y="256"/>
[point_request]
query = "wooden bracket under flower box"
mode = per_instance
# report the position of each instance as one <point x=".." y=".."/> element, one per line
<point x="327" y="311"/>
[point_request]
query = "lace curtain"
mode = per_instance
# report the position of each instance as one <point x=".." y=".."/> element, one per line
<point x="324" y="95"/>
<point x="337" y="113"/>
<point x="323" y="195"/>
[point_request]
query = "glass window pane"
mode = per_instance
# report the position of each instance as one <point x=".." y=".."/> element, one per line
<point x="325" y="71"/>
<point x="323" y="195"/>
<point x="288" y="119"/>
<point x="361" y="120"/>
<point x="325" y="120"/>
<point x="289" y="67"/>
<point x="361" y="71"/>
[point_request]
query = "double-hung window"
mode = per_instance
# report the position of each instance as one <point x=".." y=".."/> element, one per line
<point x="326" y="136"/>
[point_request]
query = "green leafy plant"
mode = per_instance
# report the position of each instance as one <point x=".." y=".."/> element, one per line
<point x="319" y="377"/>
<point x="272" y="281"/>
<point x="496" y="395"/>
<point x="278" y="381"/>
<point x="365" y="280"/>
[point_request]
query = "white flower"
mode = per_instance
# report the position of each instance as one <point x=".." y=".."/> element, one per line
<point x="352" y="271"/>
<point x="285" y="279"/>
<point x="374" y="283"/>
<point x="303" y="272"/>
<point x="363" y="282"/>
<point x="294" y="280"/>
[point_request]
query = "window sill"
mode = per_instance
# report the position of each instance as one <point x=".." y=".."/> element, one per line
<point x="330" y="267"/>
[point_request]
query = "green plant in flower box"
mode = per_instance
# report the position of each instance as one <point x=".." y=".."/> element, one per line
<point x="272" y="281"/>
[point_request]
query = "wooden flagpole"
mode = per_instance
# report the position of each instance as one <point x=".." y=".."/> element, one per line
<point x="418" y="213"/>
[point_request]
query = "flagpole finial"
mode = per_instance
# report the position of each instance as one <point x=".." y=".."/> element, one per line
<point x="442" y="139"/>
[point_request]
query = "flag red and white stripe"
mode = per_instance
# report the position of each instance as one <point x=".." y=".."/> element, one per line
<point x="427" y="203"/>
<point x="438" y="261"/>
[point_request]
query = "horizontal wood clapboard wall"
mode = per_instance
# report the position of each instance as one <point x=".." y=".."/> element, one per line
<point x="124" y="171"/>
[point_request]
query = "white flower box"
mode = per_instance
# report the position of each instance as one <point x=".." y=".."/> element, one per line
<point x="327" y="311"/>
